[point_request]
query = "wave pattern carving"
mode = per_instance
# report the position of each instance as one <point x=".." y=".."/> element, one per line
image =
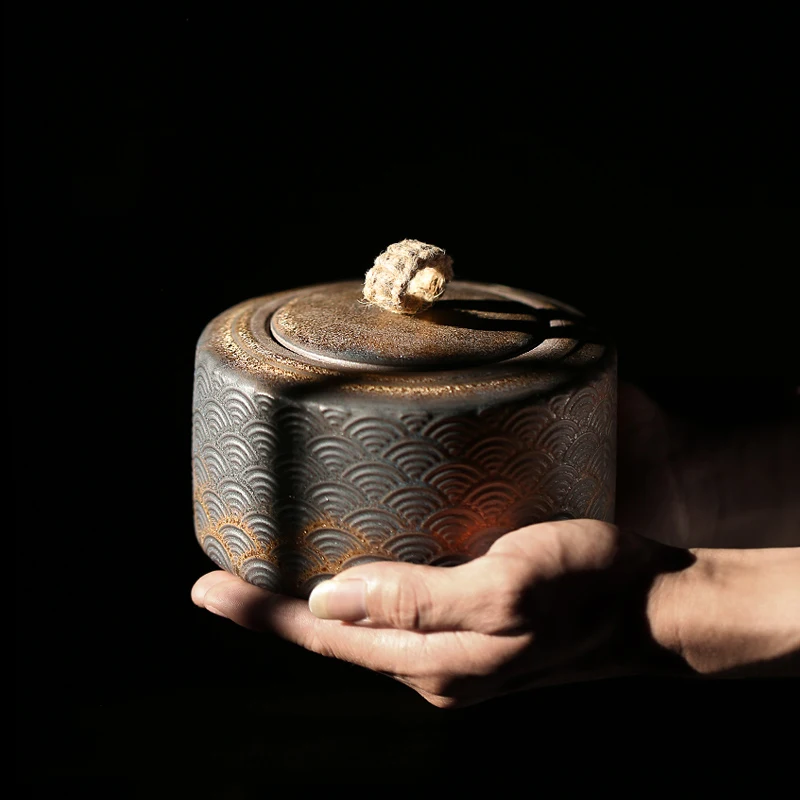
<point x="289" y="492"/>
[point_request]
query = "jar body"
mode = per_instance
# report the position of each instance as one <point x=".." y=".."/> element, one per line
<point x="297" y="479"/>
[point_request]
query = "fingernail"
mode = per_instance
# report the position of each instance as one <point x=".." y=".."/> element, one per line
<point x="339" y="599"/>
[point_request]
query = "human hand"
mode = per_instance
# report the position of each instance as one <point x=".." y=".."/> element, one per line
<point x="577" y="600"/>
<point x="550" y="603"/>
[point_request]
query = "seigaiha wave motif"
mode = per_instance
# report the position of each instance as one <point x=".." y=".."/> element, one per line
<point x="288" y="492"/>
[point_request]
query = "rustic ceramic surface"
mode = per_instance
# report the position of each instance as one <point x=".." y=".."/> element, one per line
<point x="328" y="433"/>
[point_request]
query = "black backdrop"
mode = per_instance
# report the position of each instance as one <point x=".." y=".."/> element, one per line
<point x="160" y="169"/>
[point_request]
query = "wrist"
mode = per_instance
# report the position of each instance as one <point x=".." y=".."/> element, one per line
<point x="731" y="612"/>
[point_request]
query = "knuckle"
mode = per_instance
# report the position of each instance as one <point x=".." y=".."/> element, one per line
<point x="317" y="644"/>
<point x="504" y="611"/>
<point x="406" y="605"/>
<point x="509" y="601"/>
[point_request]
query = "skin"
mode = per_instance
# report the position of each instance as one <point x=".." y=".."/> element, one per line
<point x="581" y="600"/>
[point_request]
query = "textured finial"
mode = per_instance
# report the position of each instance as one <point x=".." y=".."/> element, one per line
<point x="408" y="277"/>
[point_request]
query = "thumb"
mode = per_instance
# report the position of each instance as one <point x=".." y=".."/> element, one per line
<point x="415" y="597"/>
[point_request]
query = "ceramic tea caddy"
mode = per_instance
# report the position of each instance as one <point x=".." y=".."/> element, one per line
<point x="408" y="417"/>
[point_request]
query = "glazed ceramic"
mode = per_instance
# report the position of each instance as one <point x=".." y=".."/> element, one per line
<point x="328" y="432"/>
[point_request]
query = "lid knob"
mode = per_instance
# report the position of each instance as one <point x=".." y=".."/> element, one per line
<point x="408" y="277"/>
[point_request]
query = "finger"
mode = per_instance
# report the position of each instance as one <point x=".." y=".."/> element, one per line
<point x="247" y="605"/>
<point x="479" y="596"/>
<point x="202" y="586"/>
<point x="224" y="594"/>
<point x="432" y="664"/>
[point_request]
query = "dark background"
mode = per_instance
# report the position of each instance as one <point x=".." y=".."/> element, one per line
<point x="161" y="168"/>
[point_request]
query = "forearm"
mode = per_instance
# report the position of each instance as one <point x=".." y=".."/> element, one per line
<point x="732" y="612"/>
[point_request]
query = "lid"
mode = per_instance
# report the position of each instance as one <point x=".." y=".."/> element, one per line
<point x="409" y="334"/>
<point x="407" y="314"/>
<point x="469" y="325"/>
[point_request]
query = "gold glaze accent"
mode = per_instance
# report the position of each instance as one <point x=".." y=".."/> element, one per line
<point x="241" y="337"/>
